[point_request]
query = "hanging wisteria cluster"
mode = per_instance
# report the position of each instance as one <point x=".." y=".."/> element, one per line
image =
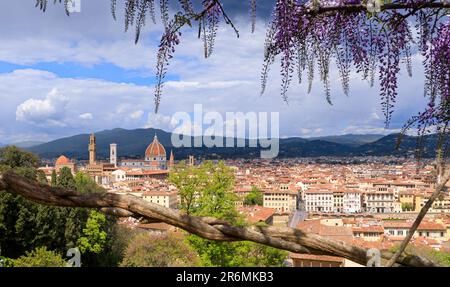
<point x="311" y="34"/>
<point x="373" y="38"/>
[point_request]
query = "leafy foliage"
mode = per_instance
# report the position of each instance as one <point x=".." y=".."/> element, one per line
<point x="85" y="184"/>
<point x="255" y="197"/>
<point x="205" y="190"/>
<point x="406" y="206"/>
<point x="94" y="237"/>
<point x="39" y="257"/>
<point x="440" y="257"/>
<point x="26" y="225"/>
<point x="147" y="250"/>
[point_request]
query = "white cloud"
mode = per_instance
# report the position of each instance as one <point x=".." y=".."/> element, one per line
<point x="136" y="114"/>
<point x="374" y="116"/>
<point x="49" y="111"/>
<point x="159" y="121"/>
<point x="305" y="131"/>
<point x="181" y="85"/>
<point x="86" y="116"/>
<point x="368" y="130"/>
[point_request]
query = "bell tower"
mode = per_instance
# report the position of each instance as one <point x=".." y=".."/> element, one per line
<point x="92" y="149"/>
<point x="113" y="154"/>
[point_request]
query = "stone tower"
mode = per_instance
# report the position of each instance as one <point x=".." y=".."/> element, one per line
<point x="171" y="160"/>
<point x="92" y="149"/>
<point x="191" y="160"/>
<point x="113" y="154"/>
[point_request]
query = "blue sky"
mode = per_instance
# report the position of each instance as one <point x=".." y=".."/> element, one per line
<point x="62" y="75"/>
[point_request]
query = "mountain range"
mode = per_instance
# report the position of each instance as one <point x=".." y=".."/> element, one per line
<point x="132" y="144"/>
<point x="24" y="144"/>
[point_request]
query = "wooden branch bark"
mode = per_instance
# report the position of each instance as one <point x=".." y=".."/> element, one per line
<point x="210" y="228"/>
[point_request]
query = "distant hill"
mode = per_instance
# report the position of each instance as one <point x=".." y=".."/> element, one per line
<point x="387" y="146"/>
<point x="27" y="144"/>
<point x="132" y="144"/>
<point x="350" y="139"/>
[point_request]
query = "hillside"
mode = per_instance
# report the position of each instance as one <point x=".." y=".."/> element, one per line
<point x="132" y="143"/>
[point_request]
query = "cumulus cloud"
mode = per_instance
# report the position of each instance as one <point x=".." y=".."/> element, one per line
<point x="136" y="114"/>
<point x="159" y="121"/>
<point x="368" y="130"/>
<point x="86" y="116"/>
<point x="180" y="85"/>
<point x="49" y="111"/>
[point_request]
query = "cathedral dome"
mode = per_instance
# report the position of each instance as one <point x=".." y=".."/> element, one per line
<point x="62" y="160"/>
<point x="155" y="149"/>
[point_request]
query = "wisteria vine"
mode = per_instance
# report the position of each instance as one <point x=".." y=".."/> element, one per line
<point x="368" y="37"/>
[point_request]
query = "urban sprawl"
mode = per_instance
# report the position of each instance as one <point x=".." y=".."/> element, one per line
<point x="371" y="203"/>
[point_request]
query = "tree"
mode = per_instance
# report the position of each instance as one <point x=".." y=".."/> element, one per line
<point x="205" y="189"/>
<point x="440" y="257"/>
<point x="13" y="157"/>
<point x="40" y="257"/>
<point x="54" y="179"/>
<point x="25" y="225"/>
<point x="65" y="178"/>
<point x="146" y="250"/>
<point x="255" y="197"/>
<point x="406" y="206"/>
<point x="41" y="178"/>
<point x="93" y="238"/>
<point x="85" y="184"/>
<point x="208" y="189"/>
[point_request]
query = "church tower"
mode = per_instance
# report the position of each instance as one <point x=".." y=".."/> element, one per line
<point x="113" y="154"/>
<point x="92" y="149"/>
<point x="191" y="160"/>
<point x="171" y="160"/>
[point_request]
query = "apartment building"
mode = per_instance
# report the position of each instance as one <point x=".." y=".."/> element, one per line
<point x="283" y="201"/>
<point x="319" y="200"/>
<point x="352" y="201"/>
<point x="338" y="201"/>
<point x="164" y="198"/>
<point x="380" y="200"/>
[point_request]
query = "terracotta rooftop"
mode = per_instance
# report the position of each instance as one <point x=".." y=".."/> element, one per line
<point x="367" y="229"/>
<point x="62" y="160"/>
<point x="256" y="213"/>
<point x="340" y="233"/>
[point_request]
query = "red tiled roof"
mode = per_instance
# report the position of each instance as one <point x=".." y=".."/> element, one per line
<point x="340" y="233"/>
<point x="256" y="213"/>
<point x="62" y="160"/>
<point x="155" y="149"/>
<point x="367" y="229"/>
